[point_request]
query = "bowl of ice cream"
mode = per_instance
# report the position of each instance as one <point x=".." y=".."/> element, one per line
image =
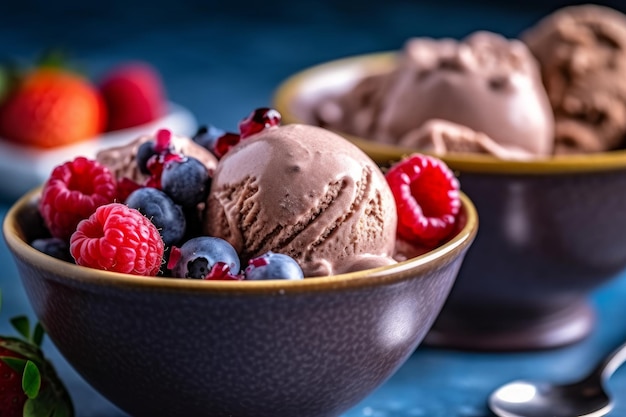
<point x="534" y="128"/>
<point x="314" y="346"/>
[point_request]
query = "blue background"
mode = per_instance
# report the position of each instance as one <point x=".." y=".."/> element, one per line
<point x="223" y="59"/>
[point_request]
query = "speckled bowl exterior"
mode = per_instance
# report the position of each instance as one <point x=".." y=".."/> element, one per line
<point x="552" y="230"/>
<point x="173" y="347"/>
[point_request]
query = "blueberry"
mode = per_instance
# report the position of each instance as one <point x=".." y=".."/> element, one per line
<point x="166" y="215"/>
<point x="273" y="266"/>
<point x="53" y="246"/>
<point x="186" y="181"/>
<point x="199" y="255"/>
<point x="144" y="153"/>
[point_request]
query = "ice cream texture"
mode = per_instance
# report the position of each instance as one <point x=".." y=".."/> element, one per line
<point x="485" y="82"/>
<point x="122" y="160"/>
<point x="279" y="202"/>
<point x="305" y="192"/>
<point x="582" y="55"/>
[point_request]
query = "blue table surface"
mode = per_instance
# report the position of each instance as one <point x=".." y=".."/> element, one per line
<point x="223" y="60"/>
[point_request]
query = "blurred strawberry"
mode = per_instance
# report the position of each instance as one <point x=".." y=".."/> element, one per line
<point x="29" y="385"/>
<point x="134" y="95"/>
<point x="51" y="106"/>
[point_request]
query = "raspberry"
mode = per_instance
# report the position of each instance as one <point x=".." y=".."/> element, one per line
<point x="120" y="239"/>
<point x="73" y="192"/>
<point x="427" y="199"/>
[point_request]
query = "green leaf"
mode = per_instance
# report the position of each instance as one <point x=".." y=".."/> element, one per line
<point x="30" y="409"/>
<point x="5" y="83"/>
<point x="35" y="408"/>
<point x="31" y="380"/>
<point x="62" y="410"/>
<point x="38" y="334"/>
<point x="16" y="364"/>
<point x="22" y="325"/>
<point x="53" y="58"/>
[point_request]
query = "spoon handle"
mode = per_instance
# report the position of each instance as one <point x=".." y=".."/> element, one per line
<point x="611" y="363"/>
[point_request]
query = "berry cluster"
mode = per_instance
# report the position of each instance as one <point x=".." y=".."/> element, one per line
<point x="52" y="104"/>
<point x="143" y="229"/>
<point x="150" y="228"/>
<point x="219" y="142"/>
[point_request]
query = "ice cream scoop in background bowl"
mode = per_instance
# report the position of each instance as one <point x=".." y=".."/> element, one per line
<point x="552" y="231"/>
<point x="180" y="347"/>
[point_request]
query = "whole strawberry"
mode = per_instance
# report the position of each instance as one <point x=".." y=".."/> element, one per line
<point x="51" y="107"/>
<point x="29" y="385"/>
<point x="134" y="94"/>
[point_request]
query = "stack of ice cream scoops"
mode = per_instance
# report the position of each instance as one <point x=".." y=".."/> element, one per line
<point x="557" y="89"/>
<point x="271" y="201"/>
<point x="305" y="192"/>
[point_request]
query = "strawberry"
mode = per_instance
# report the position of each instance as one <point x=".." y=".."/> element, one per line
<point x="134" y="94"/>
<point x="29" y="385"/>
<point x="50" y="107"/>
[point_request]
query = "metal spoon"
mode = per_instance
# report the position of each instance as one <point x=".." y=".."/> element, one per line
<point x="584" y="398"/>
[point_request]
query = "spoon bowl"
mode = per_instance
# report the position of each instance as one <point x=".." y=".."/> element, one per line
<point x="584" y="398"/>
<point x="540" y="399"/>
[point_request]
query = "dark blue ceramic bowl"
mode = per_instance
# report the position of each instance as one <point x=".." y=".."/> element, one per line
<point x="168" y="347"/>
<point x="552" y="230"/>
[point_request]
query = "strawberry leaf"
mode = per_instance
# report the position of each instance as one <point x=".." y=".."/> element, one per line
<point x="38" y="334"/>
<point x="4" y="83"/>
<point x="62" y="410"/>
<point x="22" y="325"/>
<point x="51" y="402"/>
<point x="35" y="408"/>
<point x="53" y="58"/>
<point x="31" y="380"/>
<point x="17" y="364"/>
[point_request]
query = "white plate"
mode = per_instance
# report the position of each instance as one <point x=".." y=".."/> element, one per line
<point x="23" y="168"/>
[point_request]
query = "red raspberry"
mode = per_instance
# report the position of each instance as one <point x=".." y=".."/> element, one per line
<point x="120" y="239"/>
<point x="427" y="199"/>
<point x="73" y="192"/>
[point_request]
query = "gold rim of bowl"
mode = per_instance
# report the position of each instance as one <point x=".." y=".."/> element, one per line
<point x="15" y="239"/>
<point x="290" y="88"/>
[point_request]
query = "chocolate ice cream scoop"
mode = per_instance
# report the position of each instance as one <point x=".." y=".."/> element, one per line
<point x="485" y="82"/>
<point x="305" y="192"/>
<point x="122" y="160"/>
<point x="582" y="54"/>
<point x="441" y="137"/>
